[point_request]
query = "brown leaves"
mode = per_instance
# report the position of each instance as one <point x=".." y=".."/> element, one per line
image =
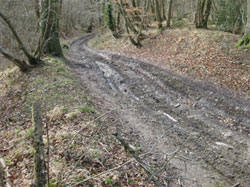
<point x="201" y="54"/>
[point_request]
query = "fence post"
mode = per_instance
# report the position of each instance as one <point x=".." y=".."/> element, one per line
<point x="40" y="172"/>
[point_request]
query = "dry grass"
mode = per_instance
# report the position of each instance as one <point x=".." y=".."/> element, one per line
<point x="80" y="146"/>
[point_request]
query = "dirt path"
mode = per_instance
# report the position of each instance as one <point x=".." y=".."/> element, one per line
<point x="163" y="112"/>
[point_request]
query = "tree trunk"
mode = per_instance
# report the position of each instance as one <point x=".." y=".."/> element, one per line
<point x="202" y="14"/>
<point x="40" y="174"/>
<point x="245" y="41"/>
<point x="49" y="42"/>
<point x="169" y="13"/>
<point x="30" y="58"/>
<point x="23" y="66"/>
<point x="163" y="10"/>
<point x="247" y="30"/>
<point x="37" y="8"/>
<point x="127" y="23"/>
<point x="158" y="14"/>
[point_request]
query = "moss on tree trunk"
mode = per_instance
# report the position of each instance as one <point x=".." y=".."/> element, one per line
<point x="245" y="41"/>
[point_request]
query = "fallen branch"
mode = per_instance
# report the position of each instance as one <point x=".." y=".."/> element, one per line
<point x="141" y="163"/>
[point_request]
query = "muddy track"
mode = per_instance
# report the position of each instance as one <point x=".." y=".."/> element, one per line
<point x="159" y="111"/>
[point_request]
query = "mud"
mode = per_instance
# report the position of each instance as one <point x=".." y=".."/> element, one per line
<point x="165" y="114"/>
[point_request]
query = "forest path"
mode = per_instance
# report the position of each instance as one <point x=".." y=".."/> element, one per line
<point x="163" y="112"/>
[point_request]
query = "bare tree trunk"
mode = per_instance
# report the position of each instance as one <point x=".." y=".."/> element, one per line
<point x="247" y="30"/>
<point x="49" y="42"/>
<point x="23" y="66"/>
<point x="158" y="14"/>
<point x="169" y="13"/>
<point x="202" y="14"/>
<point x="163" y="10"/>
<point x="40" y="174"/>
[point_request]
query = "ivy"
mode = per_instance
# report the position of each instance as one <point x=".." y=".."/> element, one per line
<point x="109" y="20"/>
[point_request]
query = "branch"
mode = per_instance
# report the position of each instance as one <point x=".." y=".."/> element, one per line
<point x="31" y="59"/>
<point x="21" y="64"/>
<point x="142" y="164"/>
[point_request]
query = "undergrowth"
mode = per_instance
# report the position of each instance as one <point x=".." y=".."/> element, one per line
<point x="80" y="146"/>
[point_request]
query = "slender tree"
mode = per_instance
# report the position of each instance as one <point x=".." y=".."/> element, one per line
<point x="169" y="13"/>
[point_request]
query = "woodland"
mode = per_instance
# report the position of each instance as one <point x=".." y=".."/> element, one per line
<point x="124" y="93"/>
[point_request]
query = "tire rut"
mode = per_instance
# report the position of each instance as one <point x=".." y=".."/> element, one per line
<point x="168" y="110"/>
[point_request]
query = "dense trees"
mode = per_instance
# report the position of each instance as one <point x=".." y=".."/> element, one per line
<point x="39" y="25"/>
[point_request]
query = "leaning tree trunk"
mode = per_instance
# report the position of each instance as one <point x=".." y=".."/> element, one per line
<point x="23" y="65"/>
<point x="49" y="41"/>
<point x="31" y="59"/>
<point x="202" y="14"/>
<point x="245" y="41"/>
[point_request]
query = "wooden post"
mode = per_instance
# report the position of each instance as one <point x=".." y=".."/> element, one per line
<point x="40" y="172"/>
<point x="1" y="174"/>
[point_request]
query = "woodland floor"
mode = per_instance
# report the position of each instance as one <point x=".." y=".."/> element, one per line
<point x="187" y="130"/>
<point x="209" y="55"/>
<point x="83" y="151"/>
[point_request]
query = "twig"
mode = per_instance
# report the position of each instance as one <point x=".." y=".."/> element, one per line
<point x="172" y="157"/>
<point x="103" y="173"/>
<point x="90" y="122"/>
<point x="182" y="178"/>
<point x="141" y="163"/>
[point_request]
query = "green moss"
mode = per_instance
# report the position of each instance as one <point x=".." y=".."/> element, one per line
<point x="87" y="109"/>
<point x="29" y="133"/>
<point x="244" y="42"/>
<point x="108" y="181"/>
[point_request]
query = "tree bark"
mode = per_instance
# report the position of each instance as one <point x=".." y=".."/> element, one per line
<point x="158" y="14"/>
<point x="245" y="41"/>
<point x="202" y="13"/>
<point x="40" y="172"/>
<point x="31" y="59"/>
<point x="169" y="13"/>
<point x="247" y="30"/>
<point x="23" y="66"/>
<point x="49" y="42"/>
<point x="37" y="8"/>
<point x="163" y="10"/>
<point x="128" y="24"/>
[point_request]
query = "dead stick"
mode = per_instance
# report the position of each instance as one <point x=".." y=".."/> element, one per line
<point x="142" y="164"/>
